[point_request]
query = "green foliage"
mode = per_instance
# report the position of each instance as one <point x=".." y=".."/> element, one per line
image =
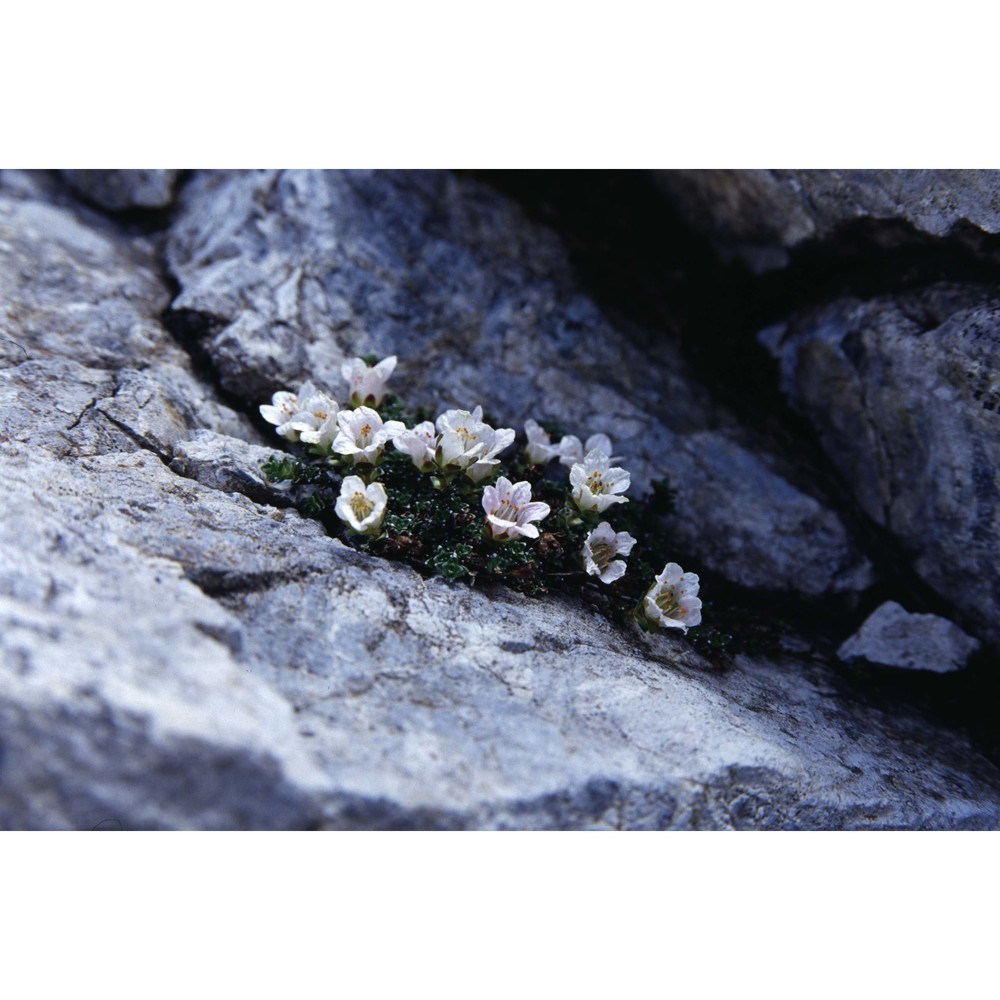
<point x="288" y="468"/>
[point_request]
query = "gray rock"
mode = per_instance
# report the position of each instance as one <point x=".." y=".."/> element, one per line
<point x="759" y="215"/>
<point x="904" y="394"/>
<point x="122" y="699"/>
<point x="229" y="464"/>
<point x="121" y="189"/>
<point x="176" y="655"/>
<point x="762" y="545"/>
<point x="293" y="272"/>
<point x="81" y="344"/>
<point x="895" y="638"/>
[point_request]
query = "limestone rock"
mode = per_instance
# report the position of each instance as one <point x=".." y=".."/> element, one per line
<point x="122" y="698"/>
<point x="289" y="273"/>
<point x="177" y="656"/>
<point x="893" y="637"/>
<point x="759" y="215"/>
<point x="121" y="189"/>
<point x="81" y="344"/>
<point x="904" y="394"/>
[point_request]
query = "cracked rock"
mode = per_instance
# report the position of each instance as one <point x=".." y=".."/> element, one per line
<point x="85" y="364"/>
<point x="289" y="273"/>
<point x="893" y="637"/>
<point x="181" y="657"/>
<point x="174" y="654"/>
<point x="229" y="464"/>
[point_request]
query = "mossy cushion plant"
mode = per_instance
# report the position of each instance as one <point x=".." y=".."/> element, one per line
<point x="458" y="498"/>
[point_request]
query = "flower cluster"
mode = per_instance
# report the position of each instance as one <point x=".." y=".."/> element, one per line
<point x="452" y="495"/>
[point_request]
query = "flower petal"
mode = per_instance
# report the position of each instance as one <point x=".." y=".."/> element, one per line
<point x="537" y="510"/>
<point x="615" y="571"/>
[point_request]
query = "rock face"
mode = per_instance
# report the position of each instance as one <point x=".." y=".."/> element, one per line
<point x="120" y="189"/>
<point x="904" y="393"/>
<point x="758" y="215"/>
<point x="179" y="649"/>
<point x="895" y="638"/>
<point x="288" y="274"/>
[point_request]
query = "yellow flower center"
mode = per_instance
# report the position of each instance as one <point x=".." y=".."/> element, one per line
<point x="666" y="601"/>
<point x="361" y="505"/>
<point x="596" y="483"/>
<point x="602" y="553"/>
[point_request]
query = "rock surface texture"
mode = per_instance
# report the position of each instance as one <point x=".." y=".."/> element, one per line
<point x="121" y="189"/>
<point x="181" y="649"/>
<point x="759" y="215"/>
<point x="904" y="393"/>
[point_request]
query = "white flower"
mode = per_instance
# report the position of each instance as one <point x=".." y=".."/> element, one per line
<point x="672" y="601"/>
<point x="317" y="420"/>
<point x="363" y="435"/>
<point x="468" y="443"/>
<point x="600" y="548"/>
<point x="503" y="438"/>
<point x="420" y="444"/>
<point x="294" y="412"/>
<point x="323" y="436"/>
<point x="540" y="447"/>
<point x="367" y="384"/>
<point x="361" y="507"/>
<point x="509" y="510"/>
<point x="596" y="482"/>
<point x="572" y="451"/>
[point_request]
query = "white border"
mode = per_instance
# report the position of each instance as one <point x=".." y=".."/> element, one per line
<point x="518" y="84"/>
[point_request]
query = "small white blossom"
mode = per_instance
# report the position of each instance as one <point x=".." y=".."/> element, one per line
<point x="596" y="483"/>
<point x="367" y="384"/>
<point x="509" y="509"/>
<point x="540" y="448"/>
<point x="361" y="507"/>
<point x="317" y="420"/>
<point x="672" y="601"/>
<point x="420" y="444"/>
<point x="468" y="443"/>
<point x="503" y="438"/>
<point x="294" y="412"/>
<point x="323" y="436"/>
<point x="572" y="451"/>
<point x="600" y="548"/>
<point x="363" y="435"/>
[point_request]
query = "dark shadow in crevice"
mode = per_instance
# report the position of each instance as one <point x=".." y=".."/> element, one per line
<point x="134" y="221"/>
<point x="647" y="268"/>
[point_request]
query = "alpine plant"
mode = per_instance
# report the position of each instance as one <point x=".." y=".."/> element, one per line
<point x="455" y="495"/>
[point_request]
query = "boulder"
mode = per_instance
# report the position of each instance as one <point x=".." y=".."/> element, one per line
<point x="893" y="637"/>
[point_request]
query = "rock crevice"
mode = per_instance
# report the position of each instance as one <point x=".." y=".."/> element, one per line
<point x="181" y="649"/>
